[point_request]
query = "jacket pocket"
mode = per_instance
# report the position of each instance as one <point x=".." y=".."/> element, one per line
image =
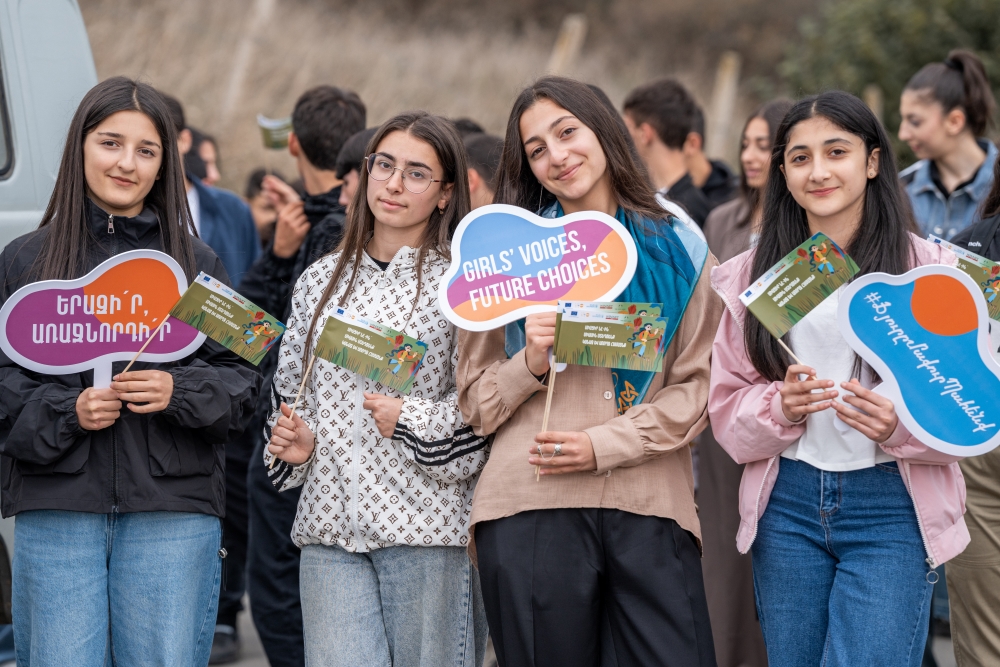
<point x="178" y="452"/>
<point x="72" y="464"/>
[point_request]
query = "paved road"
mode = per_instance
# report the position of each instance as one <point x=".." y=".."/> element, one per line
<point x="253" y="654"/>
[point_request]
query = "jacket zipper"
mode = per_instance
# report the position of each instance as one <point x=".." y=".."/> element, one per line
<point x="931" y="561"/>
<point x="115" y="500"/>
<point x="359" y="397"/>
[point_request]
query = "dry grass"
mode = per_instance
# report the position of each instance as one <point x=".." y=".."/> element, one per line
<point x="449" y="57"/>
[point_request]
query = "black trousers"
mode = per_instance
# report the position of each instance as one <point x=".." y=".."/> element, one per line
<point x="234" y="530"/>
<point x="560" y="584"/>
<point x="273" y="566"/>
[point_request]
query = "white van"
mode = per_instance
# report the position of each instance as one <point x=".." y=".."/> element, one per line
<point x="46" y="67"/>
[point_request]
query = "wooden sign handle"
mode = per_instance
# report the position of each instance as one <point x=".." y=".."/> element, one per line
<point x="545" y="416"/>
<point x="148" y="341"/>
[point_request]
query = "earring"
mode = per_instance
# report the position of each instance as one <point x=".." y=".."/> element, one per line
<point x="441" y="211"/>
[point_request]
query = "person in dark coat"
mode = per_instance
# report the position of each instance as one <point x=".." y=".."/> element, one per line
<point x="221" y="218"/>
<point x="118" y="491"/>
<point x="714" y="177"/>
<point x="661" y="117"/>
<point x="308" y="227"/>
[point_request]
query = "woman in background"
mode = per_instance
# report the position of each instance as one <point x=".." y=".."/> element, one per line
<point x="946" y="109"/>
<point x="731" y="229"/>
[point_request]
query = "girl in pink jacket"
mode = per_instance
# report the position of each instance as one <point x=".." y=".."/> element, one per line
<point x="844" y="512"/>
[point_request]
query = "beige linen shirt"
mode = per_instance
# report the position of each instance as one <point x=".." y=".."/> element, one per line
<point x="643" y="458"/>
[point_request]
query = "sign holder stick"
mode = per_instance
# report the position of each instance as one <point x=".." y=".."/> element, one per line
<point x="789" y="351"/>
<point x="545" y="417"/>
<point x="148" y="341"/>
<point x="295" y="403"/>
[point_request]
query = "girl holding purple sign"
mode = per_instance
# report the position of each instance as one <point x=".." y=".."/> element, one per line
<point x="117" y="490"/>
<point x="844" y="512"/>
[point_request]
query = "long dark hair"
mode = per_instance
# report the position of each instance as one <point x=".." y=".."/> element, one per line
<point x="65" y="249"/>
<point x="517" y="186"/>
<point x="959" y="82"/>
<point x="881" y="242"/>
<point x="771" y="113"/>
<point x="442" y="136"/>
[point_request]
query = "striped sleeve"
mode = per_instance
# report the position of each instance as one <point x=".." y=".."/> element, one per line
<point x="435" y="437"/>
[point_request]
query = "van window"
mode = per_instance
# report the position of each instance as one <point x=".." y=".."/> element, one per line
<point x="6" y="152"/>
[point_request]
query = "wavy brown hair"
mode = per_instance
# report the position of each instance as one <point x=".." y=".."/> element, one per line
<point x="64" y="251"/>
<point x="517" y="185"/>
<point x="359" y="226"/>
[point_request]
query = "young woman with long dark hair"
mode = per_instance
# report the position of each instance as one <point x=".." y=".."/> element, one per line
<point x="117" y="491"/>
<point x="609" y="537"/>
<point x="946" y="109"/>
<point x="844" y="511"/>
<point x="383" y="519"/>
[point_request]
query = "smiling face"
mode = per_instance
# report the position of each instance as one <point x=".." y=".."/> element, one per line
<point x="826" y="170"/>
<point x="755" y="153"/>
<point x="566" y="158"/>
<point x="391" y="203"/>
<point x="121" y="162"/>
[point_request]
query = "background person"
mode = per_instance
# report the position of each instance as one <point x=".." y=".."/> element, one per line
<point x="946" y="109"/>
<point x="308" y="227"/>
<point x="349" y="165"/>
<point x="714" y="177"/>
<point x="483" y="151"/>
<point x="974" y="575"/>
<point x="117" y="491"/>
<point x="661" y="116"/>
<point x="380" y="591"/>
<point x="842" y="545"/>
<point x="220" y="217"/>
<point x="731" y="229"/>
<point x="553" y="555"/>
<point x="265" y="216"/>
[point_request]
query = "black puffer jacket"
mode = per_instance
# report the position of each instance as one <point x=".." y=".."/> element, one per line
<point x="166" y="461"/>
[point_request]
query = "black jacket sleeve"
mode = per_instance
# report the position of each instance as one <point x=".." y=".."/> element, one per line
<point x="38" y="422"/>
<point x="217" y="391"/>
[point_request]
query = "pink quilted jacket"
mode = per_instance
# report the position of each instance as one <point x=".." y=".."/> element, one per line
<point x="745" y="410"/>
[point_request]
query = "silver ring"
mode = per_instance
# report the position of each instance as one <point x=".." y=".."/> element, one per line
<point x="557" y="450"/>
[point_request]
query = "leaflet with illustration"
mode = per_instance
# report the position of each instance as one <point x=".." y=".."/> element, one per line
<point x="223" y="315"/>
<point x="591" y="334"/>
<point x="372" y="350"/>
<point x="790" y="289"/>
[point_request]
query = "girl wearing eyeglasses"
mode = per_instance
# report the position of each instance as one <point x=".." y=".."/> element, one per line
<point x="383" y="519"/>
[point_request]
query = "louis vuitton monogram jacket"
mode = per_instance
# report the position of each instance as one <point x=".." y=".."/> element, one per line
<point x="363" y="491"/>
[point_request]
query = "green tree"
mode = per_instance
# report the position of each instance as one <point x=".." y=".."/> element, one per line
<point x="854" y="43"/>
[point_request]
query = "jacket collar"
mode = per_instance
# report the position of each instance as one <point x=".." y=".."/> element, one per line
<point x="206" y="198"/>
<point x="319" y="206"/>
<point x="132" y="230"/>
<point x="977" y="189"/>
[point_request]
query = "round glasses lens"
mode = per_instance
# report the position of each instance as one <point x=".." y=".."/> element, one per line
<point x="380" y="168"/>
<point x="417" y="180"/>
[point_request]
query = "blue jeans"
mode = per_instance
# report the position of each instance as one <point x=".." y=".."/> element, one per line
<point x="840" y="570"/>
<point x="395" y="607"/>
<point x="134" y="589"/>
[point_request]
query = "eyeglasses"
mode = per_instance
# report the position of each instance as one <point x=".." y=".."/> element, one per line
<point x="415" y="179"/>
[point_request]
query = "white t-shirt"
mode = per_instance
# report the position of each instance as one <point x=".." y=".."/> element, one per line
<point x="829" y="443"/>
<point x="194" y="203"/>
